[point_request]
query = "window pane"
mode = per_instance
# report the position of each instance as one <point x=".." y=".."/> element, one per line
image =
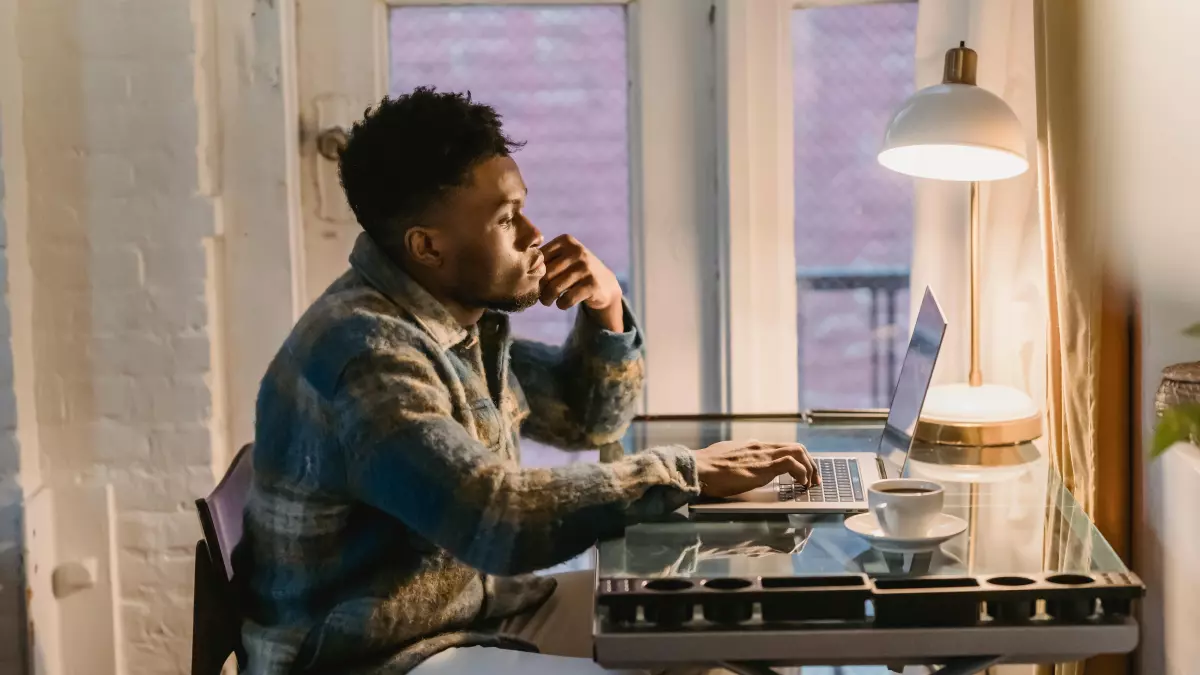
<point x="853" y="67"/>
<point x="557" y="75"/>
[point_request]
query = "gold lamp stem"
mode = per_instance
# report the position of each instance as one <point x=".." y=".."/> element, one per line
<point x="976" y="375"/>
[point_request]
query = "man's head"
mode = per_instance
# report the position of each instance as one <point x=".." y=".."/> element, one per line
<point x="430" y="177"/>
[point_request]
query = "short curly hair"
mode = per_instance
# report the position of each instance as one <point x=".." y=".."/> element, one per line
<point x="408" y="151"/>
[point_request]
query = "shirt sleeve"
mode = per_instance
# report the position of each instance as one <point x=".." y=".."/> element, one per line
<point x="408" y="456"/>
<point x="581" y="394"/>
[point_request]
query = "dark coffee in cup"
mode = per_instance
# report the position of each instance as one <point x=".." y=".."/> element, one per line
<point x="905" y="507"/>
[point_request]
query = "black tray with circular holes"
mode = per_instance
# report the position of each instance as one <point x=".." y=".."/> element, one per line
<point x="927" y="601"/>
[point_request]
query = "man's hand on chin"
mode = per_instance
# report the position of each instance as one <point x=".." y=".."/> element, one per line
<point x="575" y="275"/>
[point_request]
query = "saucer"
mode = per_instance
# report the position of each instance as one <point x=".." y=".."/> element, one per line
<point x="944" y="528"/>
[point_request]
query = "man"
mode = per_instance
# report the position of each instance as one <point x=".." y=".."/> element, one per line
<point x="389" y="519"/>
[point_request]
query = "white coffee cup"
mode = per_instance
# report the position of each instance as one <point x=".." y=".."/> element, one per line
<point x="906" y="507"/>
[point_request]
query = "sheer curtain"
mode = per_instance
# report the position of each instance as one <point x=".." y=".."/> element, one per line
<point x="1090" y="366"/>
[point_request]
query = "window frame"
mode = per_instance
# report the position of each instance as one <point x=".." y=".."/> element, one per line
<point x="675" y="223"/>
<point x="755" y="148"/>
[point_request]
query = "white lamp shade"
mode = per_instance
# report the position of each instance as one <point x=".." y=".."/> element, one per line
<point x="955" y="132"/>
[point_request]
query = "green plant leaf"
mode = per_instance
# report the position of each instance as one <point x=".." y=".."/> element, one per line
<point x="1179" y="423"/>
<point x="1192" y="330"/>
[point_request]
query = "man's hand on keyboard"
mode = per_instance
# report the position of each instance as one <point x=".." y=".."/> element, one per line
<point x="733" y="467"/>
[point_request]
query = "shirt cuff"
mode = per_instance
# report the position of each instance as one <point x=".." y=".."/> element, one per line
<point x="682" y="487"/>
<point x="681" y="462"/>
<point x="606" y="344"/>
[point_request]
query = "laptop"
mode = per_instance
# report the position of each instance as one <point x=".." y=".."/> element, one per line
<point x="845" y="476"/>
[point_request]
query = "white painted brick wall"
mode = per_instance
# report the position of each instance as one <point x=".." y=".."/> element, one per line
<point x="150" y="342"/>
<point x="117" y="245"/>
<point x="149" y="266"/>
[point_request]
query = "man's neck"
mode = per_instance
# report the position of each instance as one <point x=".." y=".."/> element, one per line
<point x="466" y="316"/>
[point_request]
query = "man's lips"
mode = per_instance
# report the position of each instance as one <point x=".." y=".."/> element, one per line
<point x="539" y="264"/>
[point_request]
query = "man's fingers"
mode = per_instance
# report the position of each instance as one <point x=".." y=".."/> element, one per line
<point x="564" y="244"/>
<point x="575" y="295"/>
<point x="557" y="264"/>
<point x="788" y="449"/>
<point x="800" y="454"/>
<point x="790" y="465"/>
<point x="553" y="244"/>
<point x="553" y="285"/>
<point x="761" y="446"/>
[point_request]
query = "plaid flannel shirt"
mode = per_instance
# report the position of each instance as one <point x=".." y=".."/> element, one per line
<point x="389" y="517"/>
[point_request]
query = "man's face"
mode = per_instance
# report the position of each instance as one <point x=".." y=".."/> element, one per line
<point x="489" y="248"/>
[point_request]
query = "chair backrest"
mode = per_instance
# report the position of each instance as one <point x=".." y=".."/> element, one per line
<point x="216" y="622"/>
<point x="216" y="625"/>
<point x="221" y="511"/>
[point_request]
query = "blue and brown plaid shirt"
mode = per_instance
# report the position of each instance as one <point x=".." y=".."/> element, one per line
<point x="389" y="517"/>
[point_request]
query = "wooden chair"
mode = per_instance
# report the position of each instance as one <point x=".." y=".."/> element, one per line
<point x="216" y="621"/>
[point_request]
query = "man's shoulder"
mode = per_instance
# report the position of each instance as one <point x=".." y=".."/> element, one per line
<point x="350" y="320"/>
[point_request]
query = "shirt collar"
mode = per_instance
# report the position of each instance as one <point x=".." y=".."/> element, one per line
<point x="388" y="278"/>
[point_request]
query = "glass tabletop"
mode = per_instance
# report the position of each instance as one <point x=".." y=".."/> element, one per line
<point x="1021" y="519"/>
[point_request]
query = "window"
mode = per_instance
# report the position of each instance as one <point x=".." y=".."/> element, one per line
<point x="557" y="74"/>
<point x="852" y="67"/>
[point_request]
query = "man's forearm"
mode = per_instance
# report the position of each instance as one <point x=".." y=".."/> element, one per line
<point x="582" y="395"/>
<point x="507" y="520"/>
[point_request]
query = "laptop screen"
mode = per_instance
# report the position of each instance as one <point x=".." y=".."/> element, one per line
<point x="911" y="386"/>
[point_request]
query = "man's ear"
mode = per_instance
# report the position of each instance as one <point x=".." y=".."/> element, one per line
<point x="423" y="247"/>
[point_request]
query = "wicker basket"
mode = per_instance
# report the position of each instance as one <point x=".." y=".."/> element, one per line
<point x="1180" y="384"/>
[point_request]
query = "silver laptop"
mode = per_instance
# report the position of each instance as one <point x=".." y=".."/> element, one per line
<point x="845" y="476"/>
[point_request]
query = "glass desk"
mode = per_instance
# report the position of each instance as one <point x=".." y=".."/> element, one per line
<point x="1021" y="521"/>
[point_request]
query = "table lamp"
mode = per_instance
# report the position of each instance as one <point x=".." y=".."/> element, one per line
<point x="958" y="131"/>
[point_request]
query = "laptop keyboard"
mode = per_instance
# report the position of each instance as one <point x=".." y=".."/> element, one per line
<point x="840" y="482"/>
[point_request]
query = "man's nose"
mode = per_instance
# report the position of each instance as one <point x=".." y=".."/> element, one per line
<point x="536" y="239"/>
